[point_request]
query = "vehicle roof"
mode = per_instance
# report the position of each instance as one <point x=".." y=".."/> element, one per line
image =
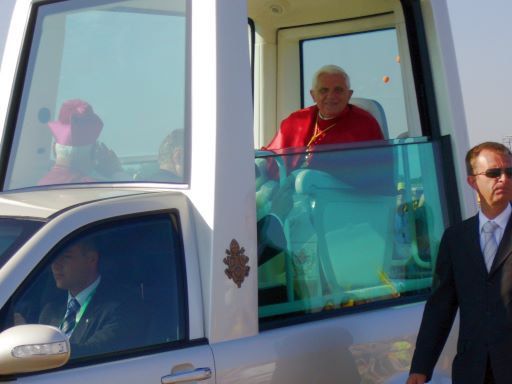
<point x="43" y="203"/>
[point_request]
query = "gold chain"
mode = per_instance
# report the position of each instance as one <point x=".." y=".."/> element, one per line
<point x="317" y="133"/>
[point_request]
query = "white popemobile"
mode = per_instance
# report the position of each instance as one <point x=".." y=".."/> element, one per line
<point x="130" y="132"/>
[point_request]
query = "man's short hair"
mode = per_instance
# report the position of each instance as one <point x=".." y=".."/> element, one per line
<point x="477" y="149"/>
<point x="330" y="69"/>
<point x="87" y="243"/>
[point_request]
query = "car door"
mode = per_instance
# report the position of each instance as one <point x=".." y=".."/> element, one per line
<point x="136" y="327"/>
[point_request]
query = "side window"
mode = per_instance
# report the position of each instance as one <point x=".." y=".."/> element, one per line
<point x="112" y="109"/>
<point x="362" y="225"/>
<point x="113" y="287"/>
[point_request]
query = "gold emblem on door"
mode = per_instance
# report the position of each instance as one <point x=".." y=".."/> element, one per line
<point x="236" y="261"/>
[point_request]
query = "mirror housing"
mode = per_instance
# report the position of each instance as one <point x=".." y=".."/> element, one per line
<point x="31" y="348"/>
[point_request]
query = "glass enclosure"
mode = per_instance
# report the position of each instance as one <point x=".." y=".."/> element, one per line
<point x="347" y="225"/>
<point x="356" y="224"/>
<point x="103" y="109"/>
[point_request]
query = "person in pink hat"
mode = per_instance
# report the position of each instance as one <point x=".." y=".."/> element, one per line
<point x="76" y="133"/>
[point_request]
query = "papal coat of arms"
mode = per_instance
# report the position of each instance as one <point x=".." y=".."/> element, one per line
<point x="236" y="261"/>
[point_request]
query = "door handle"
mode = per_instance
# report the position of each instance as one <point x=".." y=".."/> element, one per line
<point x="198" y="374"/>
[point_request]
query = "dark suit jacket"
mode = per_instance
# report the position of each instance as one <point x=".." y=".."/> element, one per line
<point x="461" y="281"/>
<point x="113" y="321"/>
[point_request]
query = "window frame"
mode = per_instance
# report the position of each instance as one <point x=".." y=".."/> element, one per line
<point x="252" y="51"/>
<point x="417" y="73"/>
<point x="290" y="88"/>
<point x="23" y="71"/>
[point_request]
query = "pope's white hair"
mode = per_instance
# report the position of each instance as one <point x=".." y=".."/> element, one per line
<point x="330" y="69"/>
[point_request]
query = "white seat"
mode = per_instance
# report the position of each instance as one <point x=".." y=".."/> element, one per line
<point x="352" y="229"/>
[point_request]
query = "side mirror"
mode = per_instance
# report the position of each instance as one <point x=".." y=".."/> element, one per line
<point x="32" y="347"/>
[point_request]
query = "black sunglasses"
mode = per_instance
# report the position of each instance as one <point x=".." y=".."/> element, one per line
<point x="494" y="173"/>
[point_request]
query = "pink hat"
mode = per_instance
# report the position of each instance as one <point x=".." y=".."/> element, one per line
<point x="77" y="125"/>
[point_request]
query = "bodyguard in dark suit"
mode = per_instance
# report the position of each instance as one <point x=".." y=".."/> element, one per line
<point x="474" y="274"/>
<point x="97" y="316"/>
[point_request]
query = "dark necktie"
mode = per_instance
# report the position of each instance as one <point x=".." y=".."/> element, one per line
<point x="70" y="318"/>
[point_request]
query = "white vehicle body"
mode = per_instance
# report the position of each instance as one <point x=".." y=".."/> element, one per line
<point x="229" y="337"/>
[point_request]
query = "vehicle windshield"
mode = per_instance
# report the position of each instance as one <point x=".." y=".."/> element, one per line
<point x="14" y="233"/>
<point x="98" y="109"/>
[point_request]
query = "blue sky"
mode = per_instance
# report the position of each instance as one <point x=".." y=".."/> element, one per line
<point x="482" y="33"/>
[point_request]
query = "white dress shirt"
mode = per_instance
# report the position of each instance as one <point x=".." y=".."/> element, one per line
<point x="84" y="295"/>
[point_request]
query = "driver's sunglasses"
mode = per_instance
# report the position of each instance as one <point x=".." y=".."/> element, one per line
<point x="494" y="173"/>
